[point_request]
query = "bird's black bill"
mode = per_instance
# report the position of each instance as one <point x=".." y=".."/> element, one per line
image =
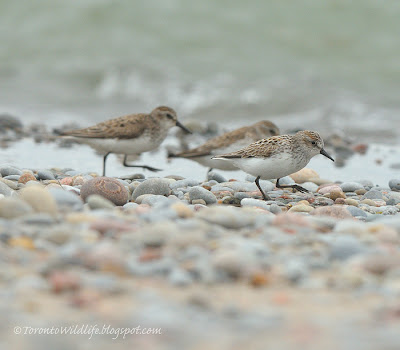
<point x="183" y="127"/>
<point x="325" y="153"/>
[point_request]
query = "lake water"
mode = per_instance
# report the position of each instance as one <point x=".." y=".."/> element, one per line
<point x="321" y="64"/>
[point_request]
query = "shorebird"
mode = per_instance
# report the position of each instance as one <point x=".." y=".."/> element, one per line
<point x="277" y="156"/>
<point x="226" y="143"/>
<point x="129" y="135"/>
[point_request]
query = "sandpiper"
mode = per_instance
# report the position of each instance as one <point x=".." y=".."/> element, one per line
<point x="129" y="135"/>
<point x="278" y="156"/>
<point x="228" y="142"/>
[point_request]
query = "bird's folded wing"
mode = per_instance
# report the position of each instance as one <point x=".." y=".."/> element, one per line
<point x="221" y="141"/>
<point x="126" y="127"/>
<point x="261" y="149"/>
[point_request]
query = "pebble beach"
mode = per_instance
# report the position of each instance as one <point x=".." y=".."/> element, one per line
<point x="205" y="261"/>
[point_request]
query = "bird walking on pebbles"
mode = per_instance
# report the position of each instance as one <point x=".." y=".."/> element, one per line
<point x="277" y="156"/>
<point x="228" y="142"/>
<point x="129" y="135"/>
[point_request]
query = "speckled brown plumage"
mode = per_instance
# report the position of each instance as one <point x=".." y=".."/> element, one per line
<point x="266" y="148"/>
<point x="125" y="127"/>
<point x="251" y="133"/>
<point x="129" y="135"/>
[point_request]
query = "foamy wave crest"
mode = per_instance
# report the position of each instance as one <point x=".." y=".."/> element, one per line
<point x="190" y="96"/>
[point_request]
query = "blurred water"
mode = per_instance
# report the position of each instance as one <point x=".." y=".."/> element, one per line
<point x="306" y="64"/>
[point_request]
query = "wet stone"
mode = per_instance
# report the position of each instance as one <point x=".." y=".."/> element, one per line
<point x="6" y="170"/>
<point x="45" y="175"/>
<point x="157" y="186"/>
<point x="242" y="195"/>
<point x="180" y="277"/>
<point x="310" y="186"/>
<point x="231" y="201"/>
<point x="198" y="192"/>
<point x="66" y="200"/>
<point x="366" y="183"/>
<point x="12" y="184"/>
<point x="354" y="211"/>
<point x="212" y="175"/>
<point x="373" y="194"/>
<point x="13" y="207"/>
<point x="96" y="201"/>
<point x="394" y="184"/>
<point x="12" y="177"/>
<point x="251" y="202"/>
<point x="351" y="186"/>
<point x="183" y="183"/>
<point x="132" y="177"/>
<point x="343" y="247"/>
<point x="40" y="199"/>
<point x="5" y="190"/>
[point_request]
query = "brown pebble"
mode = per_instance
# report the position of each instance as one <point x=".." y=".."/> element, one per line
<point x="350" y="201"/>
<point x="40" y="199"/>
<point x="361" y="191"/>
<point x="66" y="181"/>
<point x="24" y="178"/>
<point x="368" y="202"/>
<point x="232" y="201"/>
<point x="337" y="194"/>
<point x="182" y="210"/>
<point x="106" y="187"/>
<point x="78" y="180"/>
<point x="259" y="279"/>
<point x="340" y="201"/>
<point x="380" y="264"/>
<point x="61" y="281"/>
<point x="360" y="148"/>
<point x="199" y="201"/>
<point x="23" y="242"/>
<point x="301" y="208"/>
<point x="150" y="254"/>
<point x="304" y="175"/>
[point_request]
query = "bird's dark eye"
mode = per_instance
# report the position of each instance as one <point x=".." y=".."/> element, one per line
<point x="170" y="116"/>
<point x="313" y="142"/>
<point x="272" y="131"/>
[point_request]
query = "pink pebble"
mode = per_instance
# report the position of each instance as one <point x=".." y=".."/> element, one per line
<point x="142" y="208"/>
<point x="284" y="219"/>
<point x="329" y="189"/>
<point x="66" y="181"/>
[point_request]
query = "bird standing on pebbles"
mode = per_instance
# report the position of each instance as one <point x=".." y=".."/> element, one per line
<point x="129" y="135"/>
<point x="228" y="142"/>
<point x="277" y="156"/>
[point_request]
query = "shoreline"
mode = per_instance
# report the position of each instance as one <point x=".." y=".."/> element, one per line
<point x="183" y="248"/>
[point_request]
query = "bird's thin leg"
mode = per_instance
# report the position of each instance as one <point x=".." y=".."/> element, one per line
<point x="139" y="166"/>
<point x="294" y="187"/>
<point x="209" y="170"/>
<point x="104" y="163"/>
<point x="257" y="181"/>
